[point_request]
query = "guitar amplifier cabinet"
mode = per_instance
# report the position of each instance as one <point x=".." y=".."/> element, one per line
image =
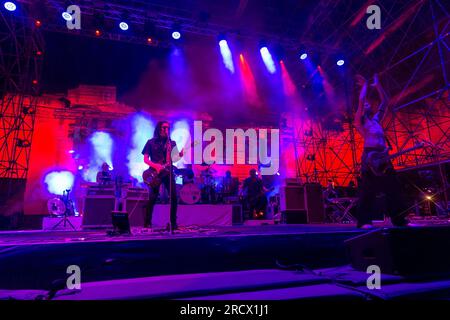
<point x="97" y="211"/>
<point x="136" y="209"/>
<point x="302" y="203"/>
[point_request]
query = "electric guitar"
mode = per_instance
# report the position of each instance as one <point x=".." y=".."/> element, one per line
<point x="153" y="179"/>
<point x="379" y="161"/>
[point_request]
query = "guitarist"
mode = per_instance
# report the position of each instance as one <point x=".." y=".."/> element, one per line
<point x="369" y="125"/>
<point x="159" y="152"/>
<point x="255" y="196"/>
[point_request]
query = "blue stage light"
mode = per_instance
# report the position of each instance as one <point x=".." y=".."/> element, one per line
<point x="10" y="6"/>
<point x="303" y="56"/>
<point x="67" y="16"/>
<point x="123" y="26"/>
<point x="176" y="35"/>
<point x="340" y="62"/>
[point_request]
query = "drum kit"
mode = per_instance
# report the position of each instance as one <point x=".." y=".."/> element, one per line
<point x="204" y="189"/>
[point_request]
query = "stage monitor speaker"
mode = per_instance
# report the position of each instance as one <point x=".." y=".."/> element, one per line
<point x="302" y="204"/>
<point x="97" y="211"/>
<point x="407" y="251"/>
<point x="120" y="222"/>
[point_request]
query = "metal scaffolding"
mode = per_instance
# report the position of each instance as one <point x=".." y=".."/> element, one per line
<point x="418" y="84"/>
<point x="21" y="49"/>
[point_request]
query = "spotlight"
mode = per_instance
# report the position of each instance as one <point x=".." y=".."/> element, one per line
<point x="268" y="60"/>
<point x="150" y="32"/>
<point x="80" y="167"/>
<point x="226" y="54"/>
<point x="123" y="26"/>
<point x="98" y="33"/>
<point x="66" y="16"/>
<point x="340" y="62"/>
<point x="176" y="35"/>
<point x="71" y="151"/>
<point x="10" y="6"/>
<point x="38" y="23"/>
<point x="35" y="82"/>
<point x="303" y="56"/>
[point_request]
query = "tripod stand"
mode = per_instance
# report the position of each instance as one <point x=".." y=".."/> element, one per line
<point x="68" y="206"/>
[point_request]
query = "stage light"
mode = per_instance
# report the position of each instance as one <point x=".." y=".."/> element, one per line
<point x="67" y="16"/>
<point x="268" y="60"/>
<point x="98" y="33"/>
<point x="38" y="23"/>
<point x="10" y="6"/>
<point x="35" y="82"/>
<point x="176" y="35"/>
<point x="71" y="151"/>
<point x="149" y="40"/>
<point x="80" y="167"/>
<point x="39" y="53"/>
<point x="226" y="55"/>
<point x="303" y="56"/>
<point x="123" y="26"/>
<point x="340" y="62"/>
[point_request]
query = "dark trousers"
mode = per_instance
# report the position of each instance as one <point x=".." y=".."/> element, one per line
<point x="153" y="196"/>
<point x="371" y="185"/>
<point x="257" y="203"/>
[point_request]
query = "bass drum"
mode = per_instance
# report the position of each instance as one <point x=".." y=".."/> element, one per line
<point x="190" y="194"/>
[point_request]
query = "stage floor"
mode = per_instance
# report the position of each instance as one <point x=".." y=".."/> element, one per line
<point x="28" y="237"/>
<point x="33" y="260"/>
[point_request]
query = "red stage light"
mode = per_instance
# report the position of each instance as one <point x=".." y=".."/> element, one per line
<point x="98" y="33"/>
<point x="39" y="53"/>
<point x="35" y="82"/>
<point x="38" y="23"/>
<point x="149" y="40"/>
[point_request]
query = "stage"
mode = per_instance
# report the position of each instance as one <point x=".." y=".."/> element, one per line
<point x="33" y="259"/>
<point x="267" y="262"/>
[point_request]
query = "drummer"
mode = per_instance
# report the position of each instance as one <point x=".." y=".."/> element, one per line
<point x="230" y="185"/>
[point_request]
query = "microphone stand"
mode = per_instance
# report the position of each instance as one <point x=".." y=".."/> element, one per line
<point x="169" y="163"/>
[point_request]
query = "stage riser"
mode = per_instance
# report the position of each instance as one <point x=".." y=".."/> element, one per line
<point x="36" y="266"/>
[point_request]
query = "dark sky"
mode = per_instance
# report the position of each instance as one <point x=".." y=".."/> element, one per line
<point x="72" y="60"/>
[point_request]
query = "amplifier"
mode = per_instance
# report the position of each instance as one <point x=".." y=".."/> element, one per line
<point x="302" y="204"/>
<point x="97" y="211"/>
<point x="136" y="209"/>
<point x="137" y="193"/>
<point x="100" y="191"/>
